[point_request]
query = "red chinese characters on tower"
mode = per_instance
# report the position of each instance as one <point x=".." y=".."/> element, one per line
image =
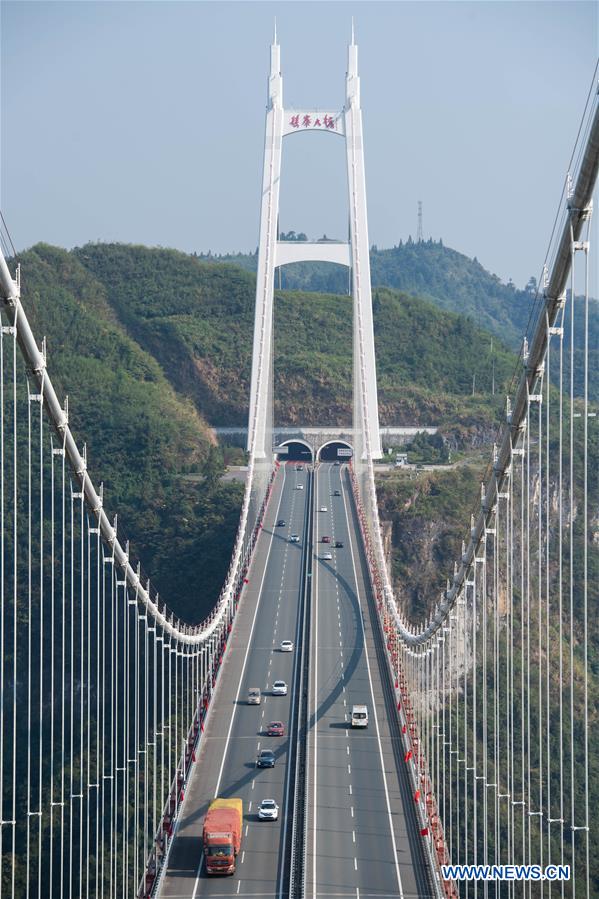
<point x="305" y="120"/>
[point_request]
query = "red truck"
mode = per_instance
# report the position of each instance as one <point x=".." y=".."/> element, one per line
<point x="222" y="835"/>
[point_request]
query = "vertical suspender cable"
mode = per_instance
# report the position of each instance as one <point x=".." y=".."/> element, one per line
<point x="88" y="698"/>
<point x="547" y="592"/>
<point x="29" y="787"/>
<point x="571" y="578"/>
<point x="63" y="664"/>
<point x="42" y="657"/>
<point x="71" y="872"/>
<point x="585" y="572"/>
<point x="83" y="579"/>
<point x="4" y="614"/>
<point x="540" y="723"/>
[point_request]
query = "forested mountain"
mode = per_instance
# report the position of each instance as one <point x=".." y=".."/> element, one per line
<point x="141" y="435"/>
<point x="447" y="278"/>
<point x="196" y="318"/>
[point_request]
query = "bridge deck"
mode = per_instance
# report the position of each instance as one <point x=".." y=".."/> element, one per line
<point x="362" y="831"/>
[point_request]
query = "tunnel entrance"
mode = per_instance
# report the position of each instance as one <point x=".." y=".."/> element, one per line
<point x="335" y="451"/>
<point x="296" y="452"/>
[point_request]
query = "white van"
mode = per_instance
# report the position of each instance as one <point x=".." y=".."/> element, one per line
<point x="359" y="716"/>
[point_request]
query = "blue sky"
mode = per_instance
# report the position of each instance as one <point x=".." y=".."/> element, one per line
<point x="143" y="122"/>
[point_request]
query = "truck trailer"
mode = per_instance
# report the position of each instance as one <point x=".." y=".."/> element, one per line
<point x="222" y="835"/>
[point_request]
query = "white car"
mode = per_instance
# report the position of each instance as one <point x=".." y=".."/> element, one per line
<point x="299" y="486"/>
<point x="327" y="556"/>
<point x="294" y="538"/>
<point x="269" y="810"/>
<point x="323" y="509"/>
<point x="279" y="688"/>
<point x="286" y="646"/>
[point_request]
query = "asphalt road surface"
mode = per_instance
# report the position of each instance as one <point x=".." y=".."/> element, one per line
<point x="235" y="730"/>
<point x="362" y="835"/>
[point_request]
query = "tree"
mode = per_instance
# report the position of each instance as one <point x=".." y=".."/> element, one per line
<point x="531" y="287"/>
<point x="213" y="466"/>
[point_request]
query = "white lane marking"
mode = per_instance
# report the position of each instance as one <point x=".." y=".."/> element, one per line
<point x="242" y="856"/>
<point x="253" y="784"/>
<point x="315" y="803"/>
<point x="247" y="827"/>
<point x="376" y="719"/>
<point x="220" y="773"/>
<point x="350" y="790"/>
<point x="347" y="747"/>
<point x="357" y="892"/>
<point x="258" y="748"/>
<point x="250" y="806"/>
<point x="355" y="864"/>
<point x="352" y="810"/>
<point x="238" y="885"/>
<point x="353" y="835"/>
<point x="349" y="769"/>
<point x="296" y="663"/>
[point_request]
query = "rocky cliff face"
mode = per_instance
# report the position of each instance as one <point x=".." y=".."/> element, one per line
<point x="424" y="517"/>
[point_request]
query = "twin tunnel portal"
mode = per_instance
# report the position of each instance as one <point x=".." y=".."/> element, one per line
<point x="358" y="836"/>
<point x="301" y="451"/>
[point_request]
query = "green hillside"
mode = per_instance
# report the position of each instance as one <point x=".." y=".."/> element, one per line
<point x="447" y="278"/>
<point x="141" y="435"/>
<point x="196" y="318"/>
<point x="426" y="269"/>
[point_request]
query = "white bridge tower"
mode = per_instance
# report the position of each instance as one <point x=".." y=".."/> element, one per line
<point x="347" y="124"/>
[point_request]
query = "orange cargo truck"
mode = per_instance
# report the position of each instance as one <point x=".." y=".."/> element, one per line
<point x="222" y="835"/>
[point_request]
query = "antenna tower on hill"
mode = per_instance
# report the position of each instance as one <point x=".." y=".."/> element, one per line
<point x="419" y="237"/>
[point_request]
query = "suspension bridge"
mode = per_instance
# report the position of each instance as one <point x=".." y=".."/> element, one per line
<point x="119" y="723"/>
